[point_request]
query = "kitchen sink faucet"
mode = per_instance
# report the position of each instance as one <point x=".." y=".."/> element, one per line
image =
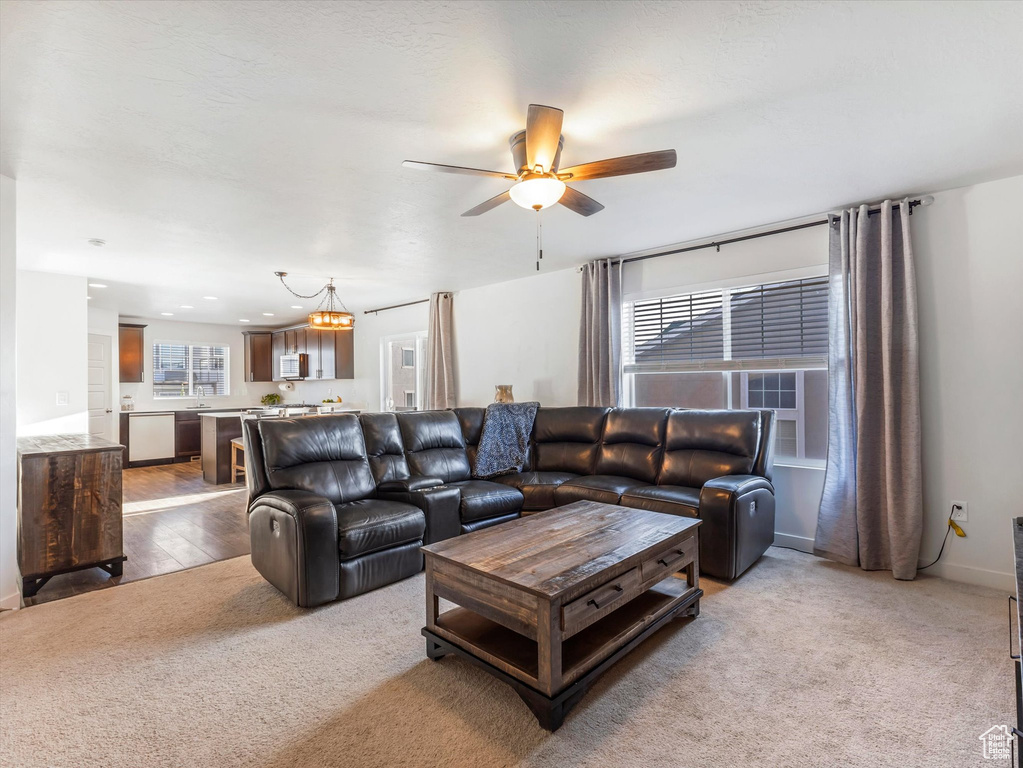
<point x="200" y="393"/>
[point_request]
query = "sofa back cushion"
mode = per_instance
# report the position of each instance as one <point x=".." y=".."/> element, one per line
<point x="434" y="446"/>
<point x="471" y="422"/>
<point x="702" y="445"/>
<point x="632" y="443"/>
<point x="325" y="455"/>
<point x="383" y="446"/>
<point x="567" y="439"/>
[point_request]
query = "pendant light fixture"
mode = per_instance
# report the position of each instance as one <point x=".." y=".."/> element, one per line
<point x="331" y="314"/>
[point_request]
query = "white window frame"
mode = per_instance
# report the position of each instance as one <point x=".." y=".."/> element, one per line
<point x="799" y="365"/>
<point x="191" y="370"/>
<point x="414" y="357"/>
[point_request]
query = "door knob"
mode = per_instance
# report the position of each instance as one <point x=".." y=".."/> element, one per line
<point x="110" y="410"/>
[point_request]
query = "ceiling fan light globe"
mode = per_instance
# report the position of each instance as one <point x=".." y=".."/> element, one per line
<point x="538" y="193"/>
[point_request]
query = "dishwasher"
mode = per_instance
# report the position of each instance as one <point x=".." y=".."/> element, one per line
<point x="150" y="436"/>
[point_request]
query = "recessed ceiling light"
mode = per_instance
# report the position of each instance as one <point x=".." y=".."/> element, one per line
<point x="167" y="314"/>
<point x="243" y="321"/>
<point x="296" y="306"/>
<point x="210" y="298"/>
<point x="187" y="306"/>
<point x="268" y="314"/>
<point x="97" y="242"/>
<point x="97" y="285"/>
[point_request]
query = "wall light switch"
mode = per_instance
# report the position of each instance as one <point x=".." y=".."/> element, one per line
<point x="62" y="398"/>
<point x="961" y="515"/>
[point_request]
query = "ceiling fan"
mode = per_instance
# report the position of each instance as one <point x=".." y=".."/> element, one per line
<point x="539" y="180"/>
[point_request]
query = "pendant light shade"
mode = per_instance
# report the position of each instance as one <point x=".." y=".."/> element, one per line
<point x="331" y="321"/>
<point x="538" y="192"/>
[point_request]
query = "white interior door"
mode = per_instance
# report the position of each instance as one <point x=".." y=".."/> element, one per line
<point x="100" y="408"/>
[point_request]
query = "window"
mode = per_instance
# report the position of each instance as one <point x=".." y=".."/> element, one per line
<point x="759" y="346"/>
<point x="403" y="376"/>
<point x="180" y="369"/>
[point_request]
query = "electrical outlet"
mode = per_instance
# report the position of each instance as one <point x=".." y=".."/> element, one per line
<point x="960" y="511"/>
<point x="62" y="398"/>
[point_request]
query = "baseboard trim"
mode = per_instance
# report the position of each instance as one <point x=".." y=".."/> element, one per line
<point x="970" y="575"/>
<point x="11" y="602"/>
<point x="802" y="543"/>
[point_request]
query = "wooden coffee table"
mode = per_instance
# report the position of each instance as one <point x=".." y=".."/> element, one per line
<point x="548" y="602"/>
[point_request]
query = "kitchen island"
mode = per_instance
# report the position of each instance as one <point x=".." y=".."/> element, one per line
<point x="217" y="431"/>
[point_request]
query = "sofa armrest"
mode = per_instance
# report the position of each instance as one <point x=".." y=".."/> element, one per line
<point x="417" y="483"/>
<point x="738" y="523"/>
<point x="737" y="484"/>
<point x="295" y="545"/>
<point x="439" y="505"/>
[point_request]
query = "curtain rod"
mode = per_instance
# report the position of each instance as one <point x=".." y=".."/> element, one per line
<point x="395" y="306"/>
<point x="927" y="200"/>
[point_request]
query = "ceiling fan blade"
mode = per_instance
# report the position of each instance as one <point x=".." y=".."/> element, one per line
<point x="576" y="201"/>
<point x="486" y="205"/>
<point x="543" y="132"/>
<point x="456" y="169"/>
<point x="621" y="166"/>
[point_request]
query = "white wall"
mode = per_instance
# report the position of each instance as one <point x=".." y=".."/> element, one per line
<point x="524" y="333"/>
<point x="243" y="393"/>
<point x="52" y="334"/>
<point x="10" y="582"/>
<point x="969" y="265"/>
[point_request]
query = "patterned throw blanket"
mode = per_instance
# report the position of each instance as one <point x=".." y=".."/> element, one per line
<point x="504" y="440"/>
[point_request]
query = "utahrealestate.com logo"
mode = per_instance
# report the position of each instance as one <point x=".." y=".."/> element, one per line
<point x="998" y="742"/>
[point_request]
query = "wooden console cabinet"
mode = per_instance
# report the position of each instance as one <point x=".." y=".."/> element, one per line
<point x="69" y="507"/>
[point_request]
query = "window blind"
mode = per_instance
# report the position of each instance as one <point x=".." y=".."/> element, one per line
<point x="770" y="326"/>
<point x="180" y="368"/>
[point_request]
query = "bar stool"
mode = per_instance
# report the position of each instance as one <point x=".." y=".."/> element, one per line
<point x="237" y="459"/>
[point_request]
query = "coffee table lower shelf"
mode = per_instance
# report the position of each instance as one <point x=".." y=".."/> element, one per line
<point x="585" y="655"/>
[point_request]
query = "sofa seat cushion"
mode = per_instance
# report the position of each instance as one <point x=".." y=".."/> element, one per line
<point x="537" y="487"/>
<point x="604" y="488"/>
<point x="672" y="499"/>
<point x="483" y="499"/>
<point x="371" y="525"/>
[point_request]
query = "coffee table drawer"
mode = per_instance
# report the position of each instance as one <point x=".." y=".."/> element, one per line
<point x="671" y="560"/>
<point x="599" y="602"/>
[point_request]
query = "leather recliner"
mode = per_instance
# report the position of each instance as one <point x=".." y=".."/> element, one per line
<point x="318" y="532"/>
<point x="435" y="447"/>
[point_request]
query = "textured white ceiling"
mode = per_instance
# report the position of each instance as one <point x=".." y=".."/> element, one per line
<point x="211" y="143"/>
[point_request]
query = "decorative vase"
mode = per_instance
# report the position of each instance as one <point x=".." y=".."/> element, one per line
<point x="504" y="394"/>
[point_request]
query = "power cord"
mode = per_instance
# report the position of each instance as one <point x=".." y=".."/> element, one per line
<point x="952" y="526"/>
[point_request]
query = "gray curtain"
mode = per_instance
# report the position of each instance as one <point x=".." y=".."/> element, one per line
<point x="871" y="512"/>
<point x="440" y="353"/>
<point x="600" y="334"/>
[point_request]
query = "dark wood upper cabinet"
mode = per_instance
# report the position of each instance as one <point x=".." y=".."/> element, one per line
<point x="277" y="348"/>
<point x="344" y="354"/>
<point x="131" y="352"/>
<point x="331" y="354"/>
<point x="259" y="359"/>
<point x="326" y="360"/>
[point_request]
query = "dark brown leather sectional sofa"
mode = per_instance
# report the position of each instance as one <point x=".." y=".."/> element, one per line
<point x="339" y="505"/>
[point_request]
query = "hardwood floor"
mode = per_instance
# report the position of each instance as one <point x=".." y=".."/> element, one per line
<point x="173" y="520"/>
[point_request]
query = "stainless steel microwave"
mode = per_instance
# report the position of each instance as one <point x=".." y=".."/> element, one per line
<point x="294" y="366"/>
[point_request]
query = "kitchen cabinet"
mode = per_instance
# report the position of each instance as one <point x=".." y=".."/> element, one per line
<point x="277" y="349"/>
<point x="218" y="430"/>
<point x="258" y="355"/>
<point x="331" y="354"/>
<point x="187" y="434"/>
<point x="131" y="352"/>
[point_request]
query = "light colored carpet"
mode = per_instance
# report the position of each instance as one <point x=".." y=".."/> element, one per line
<point x="799" y="663"/>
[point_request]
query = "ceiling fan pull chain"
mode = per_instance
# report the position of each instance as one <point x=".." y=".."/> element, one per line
<point x="539" y="239"/>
